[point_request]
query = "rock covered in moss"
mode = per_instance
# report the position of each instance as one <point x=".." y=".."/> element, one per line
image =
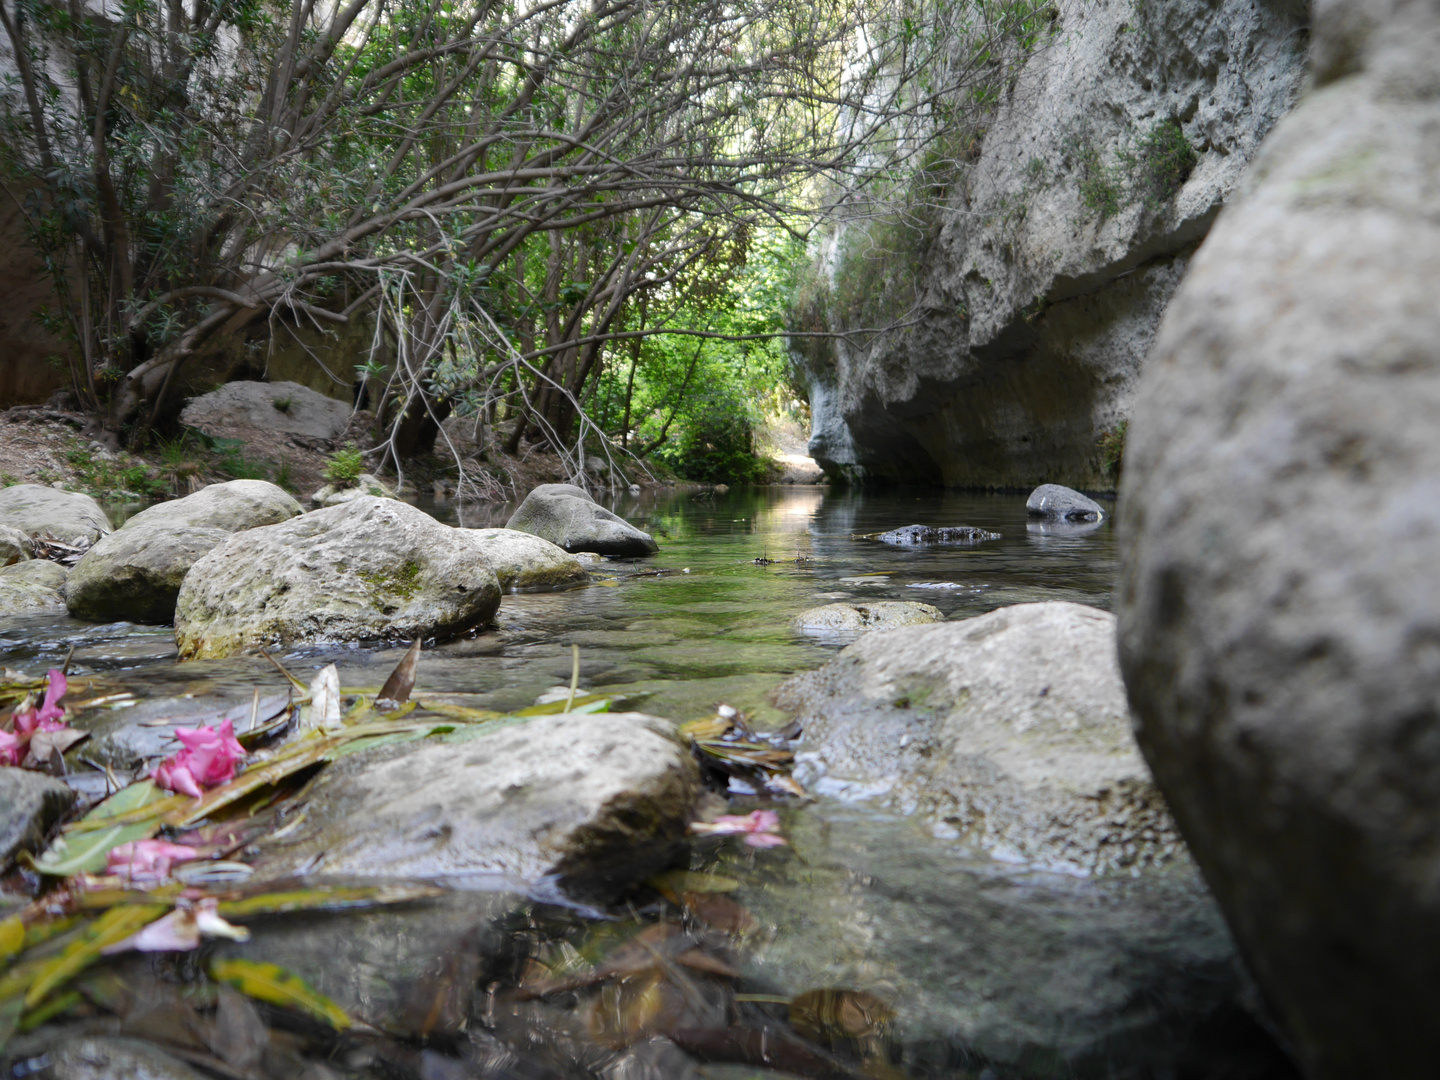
<point x="567" y="517"/>
<point x="524" y="562"/>
<point x="370" y="569"/>
<point x="37" y="510"/>
<point x="565" y="794"/>
<point x="1009" y="732"/>
<point x="231" y="506"/>
<point x="854" y="618"/>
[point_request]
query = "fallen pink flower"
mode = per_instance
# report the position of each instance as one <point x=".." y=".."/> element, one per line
<point x="29" y="721"/>
<point x="181" y="930"/>
<point x="147" y="862"/>
<point x="12" y="748"/>
<point x="208" y="760"/>
<point x="759" y="827"/>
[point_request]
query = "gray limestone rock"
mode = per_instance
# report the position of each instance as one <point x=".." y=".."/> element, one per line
<point x="1279" y="532"/>
<point x="35" y="510"/>
<point x="854" y="618"/>
<point x="231" y="506"/>
<point x="364" y="484"/>
<point x="277" y="406"/>
<point x="553" y="795"/>
<point x="41" y="572"/>
<point x="1052" y="502"/>
<point x="15" y="546"/>
<point x="567" y="516"/>
<point x="1008" y="731"/>
<point x="911" y="535"/>
<point x="1031" y="304"/>
<point x="24" y="597"/>
<point x="371" y="569"/>
<point x="524" y="562"/>
<point x="135" y="574"/>
<point x="30" y="802"/>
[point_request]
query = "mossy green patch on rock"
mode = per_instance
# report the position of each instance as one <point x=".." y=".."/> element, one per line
<point x="392" y="584"/>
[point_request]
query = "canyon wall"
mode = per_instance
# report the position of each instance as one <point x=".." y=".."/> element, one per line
<point x="1024" y="308"/>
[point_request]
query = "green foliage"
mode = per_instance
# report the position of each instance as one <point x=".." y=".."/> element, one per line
<point x="345" y="465"/>
<point x="113" y="478"/>
<point x="1112" y="450"/>
<point x="1163" y="161"/>
<point x="716" y="444"/>
<point x="1099" y="182"/>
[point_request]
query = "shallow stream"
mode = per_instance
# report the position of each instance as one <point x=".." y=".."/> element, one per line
<point x="899" y="955"/>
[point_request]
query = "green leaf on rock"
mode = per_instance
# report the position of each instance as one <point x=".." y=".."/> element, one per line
<point x="326" y="898"/>
<point x="132" y="813"/>
<point x="114" y="926"/>
<point x="274" y="985"/>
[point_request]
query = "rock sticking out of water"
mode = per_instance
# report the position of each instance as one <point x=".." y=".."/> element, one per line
<point x="855" y="618"/>
<point x="371" y="569"/>
<point x="927" y="534"/>
<point x="30" y="803"/>
<point x="560" y="795"/>
<point x="567" y="517"/>
<point x="1009" y="731"/>
<point x="362" y="485"/>
<point x="1054" y="502"/>
<point x="524" y="562"/>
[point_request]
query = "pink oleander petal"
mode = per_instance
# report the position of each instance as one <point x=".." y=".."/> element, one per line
<point x="54" y="691"/>
<point x="766" y="820"/>
<point x="172" y="775"/>
<point x="208" y="919"/>
<point x="12" y="748"/>
<point x="765" y="840"/>
<point x="147" y="861"/>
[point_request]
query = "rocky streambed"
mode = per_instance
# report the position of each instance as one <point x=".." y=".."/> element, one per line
<point x="725" y="844"/>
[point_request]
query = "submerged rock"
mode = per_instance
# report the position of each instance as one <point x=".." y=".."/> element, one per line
<point x="523" y="561"/>
<point x="277" y="406"/>
<point x="15" y="546"/>
<point x="927" y="534"/>
<point x="371" y="569"/>
<point x="1052" y="502"/>
<point x="567" y="516"/>
<point x="364" y="484"/>
<point x="1008" y="732"/>
<point x="996" y="970"/>
<point x="135" y="574"/>
<point x="554" y="795"/>
<point x="231" y="506"/>
<point x="36" y="510"/>
<point x="1278" y="599"/>
<point x="30" y="802"/>
<point x="881" y="615"/>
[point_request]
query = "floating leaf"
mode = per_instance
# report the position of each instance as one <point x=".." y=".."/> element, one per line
<point x="132" y="813"/>
<point x="115" y="925"/>
<point x="47" y="1010"/>
<point x="837" y="1016"/>
<point x="274" y="985"/>
<point x="693" y="881"/>
<point x="402" y="680"/>
<point x="580" y="704"/>
<point x="326" y="898"/>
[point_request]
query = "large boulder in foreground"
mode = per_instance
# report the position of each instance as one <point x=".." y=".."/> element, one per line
<point x="371" y="569"/>
<point x="231" y="506"/>
<point x="1279" y="533"/>
<point x="567" y="517"/>
<point x="524" y="562"/>
<point x="37" y="510"/>
<point x="566" y="794"/>
<point x="136" y="572"/>
<point x="1008" y="732"/>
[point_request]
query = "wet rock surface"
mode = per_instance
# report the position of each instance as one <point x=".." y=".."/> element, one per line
<point x="37" y="510"/>
<point x="371" y="569"/>
<point x="231" y="507"/>
<point x="567" y="517"/>
<point x="989" y="967"/>
<point x="1052" y="502"/>
<point x="100" y="1057"/>
<point x="30" y="802"/>
<point x="927" y="534"/>
<point x="566" y="794"/>
<point x="1008" y="732"/>
<point x="523" y="561"/>
<point x="135" y="574"/>
<point x="1279" y="654"/>
<point x="854" y="618"/>
<point x="268" y="406"/>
